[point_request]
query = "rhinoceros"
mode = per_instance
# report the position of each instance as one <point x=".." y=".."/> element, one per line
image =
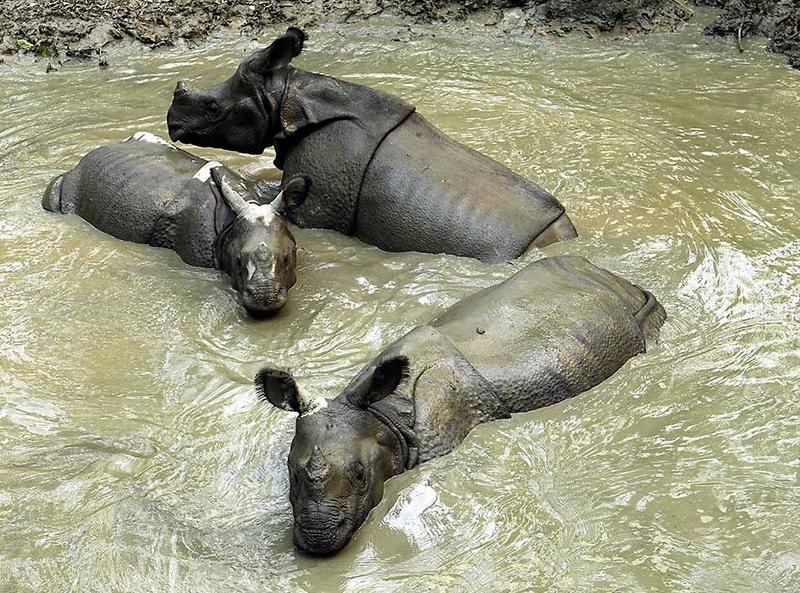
<point x="381" y="171"/>
<point x="147" y="190"/>
<point x="555" y="329"/>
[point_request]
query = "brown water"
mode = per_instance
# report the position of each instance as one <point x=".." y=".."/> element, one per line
<point x="136" y="458"/>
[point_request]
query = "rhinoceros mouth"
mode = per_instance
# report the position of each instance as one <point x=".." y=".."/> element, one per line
<point x="322" y="538"/>
<point x="180" y="130"/>
<point x="263" y="308"/>
<point x="265" y="312"/>
<point x="176" y="133"/>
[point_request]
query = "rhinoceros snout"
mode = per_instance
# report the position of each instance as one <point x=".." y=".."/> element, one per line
<point x="264" y="305"/>
<point x="175" y="128"/>
<point x="179" y="113"/>
<point x="322" y="535"/>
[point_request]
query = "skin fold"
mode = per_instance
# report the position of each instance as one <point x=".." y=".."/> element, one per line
<point x="148" y="191"/>
<point x="555" y="329"/>
<point x="381" y="171"/>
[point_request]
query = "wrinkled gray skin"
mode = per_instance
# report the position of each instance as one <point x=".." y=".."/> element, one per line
<point x="553" y="330"/>
<point x="148" y="191"/>
<point x="381" y="172"/>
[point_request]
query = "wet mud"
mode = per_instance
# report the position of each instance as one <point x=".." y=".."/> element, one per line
<point x="778" y="20"/>
<point x="59" y="30"/>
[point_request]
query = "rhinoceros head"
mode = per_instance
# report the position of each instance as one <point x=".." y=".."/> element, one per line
<point x="340" y="456"/>
<point x="240" y="114"/>
<point x="257" y="250"/>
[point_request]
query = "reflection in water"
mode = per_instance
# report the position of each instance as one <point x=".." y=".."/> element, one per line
<point x="136" y="457"/>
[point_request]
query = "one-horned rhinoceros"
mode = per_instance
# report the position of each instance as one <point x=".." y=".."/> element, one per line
<point x="381" y="171"/>
<point x="553" y="330"/>
<point x="148" y="191"/>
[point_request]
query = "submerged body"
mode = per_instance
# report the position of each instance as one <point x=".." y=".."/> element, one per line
<point x="553" y="330"/>
<point x="146" y="190"/>
<point x="381" y="171"/>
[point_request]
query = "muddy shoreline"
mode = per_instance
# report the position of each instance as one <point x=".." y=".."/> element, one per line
<point x="61" y="30"/>
<point x="777" y="20"/>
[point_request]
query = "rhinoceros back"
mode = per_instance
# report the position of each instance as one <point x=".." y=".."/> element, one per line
<point x="426" y="192"/>
<point x="555" y="329"/>
<point x="144" y="192"/>
<point x="332" y="129"/>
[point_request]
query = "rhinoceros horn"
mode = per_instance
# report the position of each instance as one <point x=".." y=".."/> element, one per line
<point x="180" y="88"/>
<point x="317" y="467"/>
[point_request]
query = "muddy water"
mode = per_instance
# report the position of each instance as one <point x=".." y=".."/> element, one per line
<point x="135" y="456"/>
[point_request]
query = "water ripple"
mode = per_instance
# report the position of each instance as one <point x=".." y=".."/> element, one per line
<point x="137" y="457"/>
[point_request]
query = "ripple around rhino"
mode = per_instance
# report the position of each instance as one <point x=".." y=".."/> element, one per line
<point x="135" y="454"/>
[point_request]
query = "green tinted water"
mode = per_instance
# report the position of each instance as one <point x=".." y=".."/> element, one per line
<point x="135" y="456"/>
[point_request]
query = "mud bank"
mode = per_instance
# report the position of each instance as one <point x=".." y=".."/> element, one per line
<point x="58" y="30"/>
<point x="778" y="20"/>
<point x="63" y="29"/>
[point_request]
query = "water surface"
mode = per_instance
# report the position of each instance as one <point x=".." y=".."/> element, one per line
<point x="136" y="457"/>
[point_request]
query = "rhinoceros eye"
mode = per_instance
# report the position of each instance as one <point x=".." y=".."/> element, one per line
<point x="212" y="105"/>
<point x="361" y="478"/>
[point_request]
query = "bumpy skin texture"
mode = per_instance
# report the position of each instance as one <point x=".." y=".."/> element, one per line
<point x="425" y="192"/>
<point x="380" y="172"/>
<point x="558" y="327"/>
<point x="392" y="179"/>
<point x="386" y="175"/>
<point x="553" y="330"/>
<point x="442" y="399"/>
<point x="331" y="129"/>
<point x="146" y="192"/>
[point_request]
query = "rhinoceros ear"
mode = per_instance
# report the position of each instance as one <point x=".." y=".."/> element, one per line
<point x="293" y="194"/>
<point x="383" y="381"/>
<point x="279" y="388"/>
<point x="279" y="53"/>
